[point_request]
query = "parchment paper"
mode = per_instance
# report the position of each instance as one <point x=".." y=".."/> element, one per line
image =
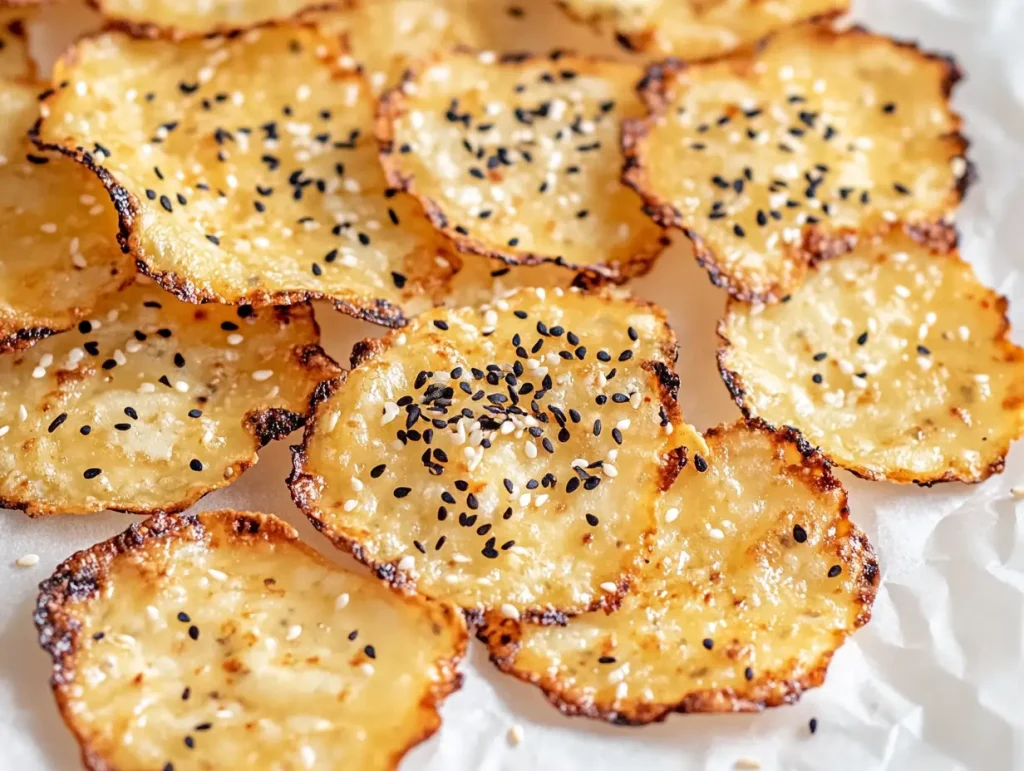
<point x="935" y="681"/>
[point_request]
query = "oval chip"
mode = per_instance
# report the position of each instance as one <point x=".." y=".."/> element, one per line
<point x="697" y="29"/>
<point x="219" y="640"/>
<point x="57" y="229"/>
<point x="772" y="160"/>
<point x="757" y="578"/>
<point x="151" y="403"/>
<point x="507" y="455"/>
<point x="518" y="158"/>
<point x="245" y="171"/>
<point x="894" y="359"/>
<point x="178" y="19"/>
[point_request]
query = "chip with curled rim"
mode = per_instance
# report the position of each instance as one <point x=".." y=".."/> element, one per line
<point x="220" y="639"/>
<point x="774" y="159"/>
<point x="151" y="402"/>
<point x="758" y="576"/>
<point x="894" y="359"/>
<point x="518" y="158"/>
<point x="502" y="456"/>
<point x="245" y="171"/>
<point x="57" y="231"/>
<point x="179" y="19"/>
<point x="697" y="29"/>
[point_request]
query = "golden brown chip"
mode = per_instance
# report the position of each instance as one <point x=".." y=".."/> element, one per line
<point x="15" y="61"/>
<point x="697" y="29"/>
<point x="245" y="170"/>
<point x="894" y="359"/>
<point x="503" y="456"/>
<point x="150" y="403"/>
<point x="58" y="232"/>
<point x="518" y="158"/>
<point x="219" y="640"/>
<point x="757" y="578"/>
<point x="179" y="19"/>
<point x="773" y="160"/>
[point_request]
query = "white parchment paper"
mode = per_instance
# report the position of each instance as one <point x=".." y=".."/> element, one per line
<point x="935" y="681"/>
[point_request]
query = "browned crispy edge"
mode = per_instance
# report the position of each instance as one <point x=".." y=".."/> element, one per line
<point x="264" y="426"/>
<point x="79" y="580"/>
<point x="392" y="105"/>
<point x="154" y="30"/>
<point x="373" y="310"/>
<point x="769" y="689"/>
<point x="1010" y="352"/>
<point x="306" y="486"/>
<point x="819" y="243"/>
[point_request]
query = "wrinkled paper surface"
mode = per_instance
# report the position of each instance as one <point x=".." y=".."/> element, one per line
<point x="935" y="681"/>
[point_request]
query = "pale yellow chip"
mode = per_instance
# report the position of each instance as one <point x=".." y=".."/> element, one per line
<point x="245" y="170"/>
<point x="58" y="232"/>
<point x="524" y="480"/>
<point x="757" y="578"/>
<point x="894" y="359"/>
<point x="220" y="640"/>
<point x="177" y="19"/>
<point x="15" y="61"/>
<point x="482" y="280"/>
<point x="518" y="158"/>
<point x="697" y="29"/>
<point x="772" y="160"/>
<point x="151" y="402"/>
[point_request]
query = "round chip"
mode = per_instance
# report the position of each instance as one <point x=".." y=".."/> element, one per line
<point x="58" y="232"/>
<point x="757" y="578"/>
<point x="178" y="19"/>
<point x="518" y="158"/>
<point x="772" y="160"/>
<point x="697" y="29"/>
<point x="894" y="359"/>
<point x="245" y="171"/>
<point x="506" y="455"/>
<point x="15" y="61"/>
<point x="151" y="402"/>
<point x="220" y="640"/>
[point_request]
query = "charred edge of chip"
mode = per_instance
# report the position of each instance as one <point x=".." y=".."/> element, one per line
<point x="817" y="243"/>
<point x="392" y="105"/>
<point x="153" y="30"/>
<point x="939" y="246"/>
<point x="503" y="637"/>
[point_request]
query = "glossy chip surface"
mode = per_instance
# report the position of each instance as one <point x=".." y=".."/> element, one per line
<point x="518" y="158"/>
<point x="219" y="640"/>
<point x="503" y="456"/>
<point x="757" y="578"/>
<point x="245" y="170"/>
<point x="150" y="402"/>
<point x="58" y="232"/>
<point x="187" y="18"/>
<point x="893" y="359"/>
<point x="772" y="160"/>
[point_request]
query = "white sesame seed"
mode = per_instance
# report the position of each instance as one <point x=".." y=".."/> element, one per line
<point x="293" y="632"/>
<point x="342" y="601"/>
<point x="610" y="586"/>
<point x="38" y="373"/>
<point x="48" y="227"/>
<point x="181" y="386"/>
<point x="152" y="613"/>
<point x="350" y="504"/>
<point x="367" y="668"/>
<point x="515" y="735"/>
<point x="217" y="575"/>
<point x="716" y="534"/>
<point x="27" y="561"/>
<point x="531" y="450"/>
<point x="609" y="470"/>
<point x="391" y="411"/>
<point x="235" y="339"/>
<point x="262" y="374"/>
<point x="407" y="562"/>
<point x="510" y="611"/>
<point x="671" y="514"/>
<point x="308" y="755"/>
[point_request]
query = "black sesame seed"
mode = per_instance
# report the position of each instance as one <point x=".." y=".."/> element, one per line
<point x="862" y="338"/>
<point x="183" y="617"/>
<point x="799" y="534"/>
<point x="401" y="492"/>
<point x="834" y="571"/>
<point x="369" y="651"/>
<point x="193" y="632"/>
<point x="92" y="473"/>
<point x="442" y="325"/>
<point x="812" y="725"/>
<point x="817" y="378"/>
<point x="708" y="643"/>
<point x="57" y="421"/>
<point x="700" y="464"/>
<point x="591" y="519"/>
<point x="748" y="673"/>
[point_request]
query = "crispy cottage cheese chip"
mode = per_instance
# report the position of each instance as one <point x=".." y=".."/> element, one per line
<point x="245" y="170"/>
<point x="57" y="231"/>
<point x="502" y="457"/>
<point x="15" y="61"/>
<point x="151" y="402"/>
<point x="219" y="640"/>
<point x="895" y="360"/>
<point x="772" y="160"/>
<point x="518" y="158"/>
<point x="697" y="29"/>
<point x="757" y="578"/>
<point x="186" y="18"/>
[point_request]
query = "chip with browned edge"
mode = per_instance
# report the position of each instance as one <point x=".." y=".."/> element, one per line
<point x="58" y="232"/>
<point x="506" y="456"/>
<point x="151" y="402"/>
<point x="518" y="158"/>
<point x="894" y="359"/>
<point x="219" y="640"/>
<point x="697" y="29"/>
<point x="772" y="160"/>
<point x="179" y="19"/>
<point x="245" y="171"/>
<point x="757" y="578"/>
